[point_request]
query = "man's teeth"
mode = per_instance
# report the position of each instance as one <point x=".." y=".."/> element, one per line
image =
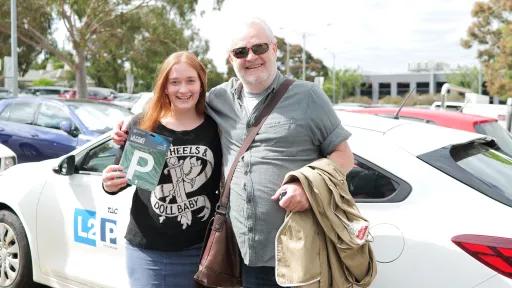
<point x="254" y="66"/>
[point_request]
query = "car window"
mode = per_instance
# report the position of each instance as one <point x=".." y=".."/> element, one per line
<point x="502" y="136"/>
<point x="477" y="164"/>
<point x="368" y="182"/>
<point x="51" y="116"/>
<point x="100" y="157"/>
<point x="19" y="112"/>
<point x="98" y="117"/>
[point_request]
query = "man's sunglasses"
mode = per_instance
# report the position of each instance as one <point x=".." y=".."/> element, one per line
<point x="257" y="49"/>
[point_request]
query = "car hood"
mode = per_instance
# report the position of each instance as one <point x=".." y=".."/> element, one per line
<point x="34" y="169"/>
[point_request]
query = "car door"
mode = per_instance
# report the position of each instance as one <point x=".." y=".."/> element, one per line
<point x="55" y="141"/>
<point x="81" y="228"/>
<point x="16" y="130"/>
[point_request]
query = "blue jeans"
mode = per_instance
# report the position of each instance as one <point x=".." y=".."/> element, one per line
<point x="258" y="276"/>
<point x="159" y="269"/>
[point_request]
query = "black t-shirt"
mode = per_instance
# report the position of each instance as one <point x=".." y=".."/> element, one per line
<point x="175" y="215"/>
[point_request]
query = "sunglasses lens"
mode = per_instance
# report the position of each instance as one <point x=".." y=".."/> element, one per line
<point x="259" y="49"/>
<point x="241" y="52"/>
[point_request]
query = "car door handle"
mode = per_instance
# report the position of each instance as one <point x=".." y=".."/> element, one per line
<point x="34" y="135"/>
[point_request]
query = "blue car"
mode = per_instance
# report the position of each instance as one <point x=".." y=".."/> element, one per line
<point x="39" y="128"/>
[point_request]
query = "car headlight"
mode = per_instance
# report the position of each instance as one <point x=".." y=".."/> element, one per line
<point x="9" y="161"/>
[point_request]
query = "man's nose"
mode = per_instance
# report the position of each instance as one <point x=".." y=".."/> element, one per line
<point x="251" y="55"/>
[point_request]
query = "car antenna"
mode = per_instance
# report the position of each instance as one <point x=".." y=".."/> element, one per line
<point x="397" y="114"/>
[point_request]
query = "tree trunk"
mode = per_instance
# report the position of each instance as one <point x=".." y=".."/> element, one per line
<point x="81" y="75"/>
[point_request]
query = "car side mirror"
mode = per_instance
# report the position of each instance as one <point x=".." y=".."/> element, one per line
<point x="68" y="127"/>
<point x="66" y="166"/>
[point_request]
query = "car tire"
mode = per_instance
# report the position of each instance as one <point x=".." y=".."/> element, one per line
<point x="30" y="152"/>
<point x="15" y="259"/>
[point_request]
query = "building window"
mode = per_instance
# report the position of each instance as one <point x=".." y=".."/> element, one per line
<point x="384" y="90"/>
<point x="402" y="88"/>
<point x="422" y="88"/>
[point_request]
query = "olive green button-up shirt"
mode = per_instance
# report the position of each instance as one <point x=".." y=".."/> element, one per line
<point x="303" y="127"/>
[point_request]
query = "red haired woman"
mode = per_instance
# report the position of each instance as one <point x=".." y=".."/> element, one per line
<point x="164" y="245"/>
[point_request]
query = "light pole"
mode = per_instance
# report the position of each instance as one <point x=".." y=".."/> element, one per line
<point x="304" y="56"/>
<point x="287" y="58"/>
<point x="333" y="77"/>
<point x="14" y="49"/>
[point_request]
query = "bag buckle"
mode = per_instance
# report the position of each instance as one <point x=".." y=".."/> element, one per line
<point x="221" y="209"/>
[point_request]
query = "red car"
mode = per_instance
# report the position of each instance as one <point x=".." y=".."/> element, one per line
<point x="450" y="119"/>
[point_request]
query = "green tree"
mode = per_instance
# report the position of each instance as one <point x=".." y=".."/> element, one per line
<point x="40" y="22"/>
<point x="92" y="25"/>
<point x="347" y="81"/>
<point x="466" y="77"/>
<point x="314" y="66"/>
<point x="491" y="31"/>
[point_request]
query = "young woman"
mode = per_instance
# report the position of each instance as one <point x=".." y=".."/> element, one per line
<point x="167" y="226"/>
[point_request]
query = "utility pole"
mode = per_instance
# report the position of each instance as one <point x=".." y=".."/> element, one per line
<point x="287" y="58"/>
<point x="14" y="49"/>
<point x="480" y="79"/>
<point x="333" y="77"/>
<point x="303" y="56"/>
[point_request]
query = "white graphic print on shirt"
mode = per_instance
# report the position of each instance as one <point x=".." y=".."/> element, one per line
<point x="188" y="168"/>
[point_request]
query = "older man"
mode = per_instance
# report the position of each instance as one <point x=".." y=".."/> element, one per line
<point x="302" y="128"/>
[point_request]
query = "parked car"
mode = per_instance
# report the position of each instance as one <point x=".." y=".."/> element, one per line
<point x="426" y="191"/>
<point x="126" y="100"/>
<point x="41" y="128"/>
<point x="141" y="103"/>
<point x="468" y="122"/>
<point x="7" y="158"/>
<point x="497" y="111"/>
<point x="46" y="91"/>
<point x="93" y="93"/>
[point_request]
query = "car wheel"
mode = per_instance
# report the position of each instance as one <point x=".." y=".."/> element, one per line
<point x="15" y="261"/>
<point x="29" y="151"/>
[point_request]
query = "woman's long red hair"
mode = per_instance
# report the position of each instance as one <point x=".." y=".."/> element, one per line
<point x="160" y="104"/>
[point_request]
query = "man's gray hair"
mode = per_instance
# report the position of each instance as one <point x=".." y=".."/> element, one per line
<point x="241" y="28"/>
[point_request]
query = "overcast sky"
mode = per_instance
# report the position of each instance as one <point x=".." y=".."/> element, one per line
<point x="380" y="36"/>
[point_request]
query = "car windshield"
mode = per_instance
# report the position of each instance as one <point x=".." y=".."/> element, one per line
<point x="478" y="165"/>
<point x="502" y="136"/>
<point x="98" y="117"/>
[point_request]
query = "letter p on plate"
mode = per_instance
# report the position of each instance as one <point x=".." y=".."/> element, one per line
<point x="134" y="163"/>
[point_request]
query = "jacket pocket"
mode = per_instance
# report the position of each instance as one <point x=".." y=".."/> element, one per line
<point x="299" y="243"/>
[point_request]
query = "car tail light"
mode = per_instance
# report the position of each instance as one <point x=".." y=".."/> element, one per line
<point x="493" y="252"/>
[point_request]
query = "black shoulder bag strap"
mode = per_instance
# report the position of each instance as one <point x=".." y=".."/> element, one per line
<point x="260" y="119"/>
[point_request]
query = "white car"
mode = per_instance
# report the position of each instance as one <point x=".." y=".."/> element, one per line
<point x="439" y="202"/>
<point x="7" y="157"/>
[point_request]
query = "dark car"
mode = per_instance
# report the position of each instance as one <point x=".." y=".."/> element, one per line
<point x="40" y="128"/>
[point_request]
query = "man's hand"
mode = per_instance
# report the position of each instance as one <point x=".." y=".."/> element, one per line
<point x="120" y="132"/>
<point x="292" y="197"/>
